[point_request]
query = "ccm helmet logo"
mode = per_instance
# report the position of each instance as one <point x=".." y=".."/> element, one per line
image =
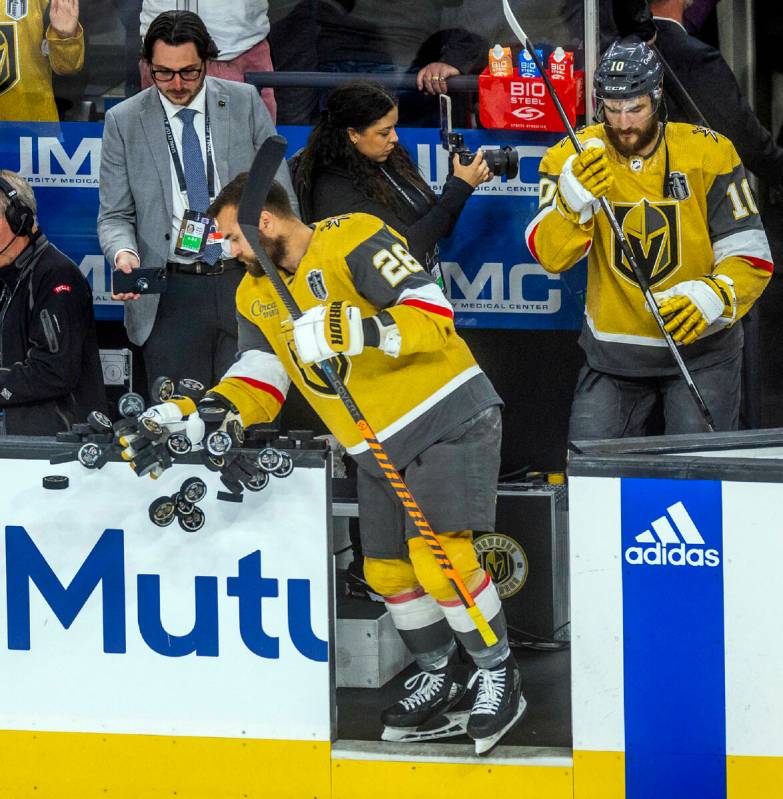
<point x="528" y="114"/>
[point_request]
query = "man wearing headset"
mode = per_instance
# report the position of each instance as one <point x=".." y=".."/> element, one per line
<point x="682" y="198"/>
<point x="50" y="372"/>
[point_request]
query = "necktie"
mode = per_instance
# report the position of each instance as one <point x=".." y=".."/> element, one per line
<point x="195" y="175"/>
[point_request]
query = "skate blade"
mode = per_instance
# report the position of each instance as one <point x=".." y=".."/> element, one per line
<point x="448" y="725"/>
<point x="483" y="745"/>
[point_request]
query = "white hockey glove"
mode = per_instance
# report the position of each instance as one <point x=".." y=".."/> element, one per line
<point x="585" y="178"/>
<point x="381" y="331"/>
<point x="694" y="307"/>
<point x="328" y="330"/>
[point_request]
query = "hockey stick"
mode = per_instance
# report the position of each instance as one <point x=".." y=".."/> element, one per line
<point x="261" y="175"/>
<point x="614" y="224"/>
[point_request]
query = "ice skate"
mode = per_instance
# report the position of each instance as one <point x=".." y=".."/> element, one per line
<point x="423" y="714"/>
<point x="499" y="704"/>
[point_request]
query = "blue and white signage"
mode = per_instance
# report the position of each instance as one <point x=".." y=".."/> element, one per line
<point x="491" y="277"/>
<point x="115" y="625"/>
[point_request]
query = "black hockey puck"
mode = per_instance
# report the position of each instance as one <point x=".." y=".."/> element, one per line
<point x="227" y="496"/>
<point x="179" y="444"/>
<point x="150" y="428"/>
<point x="130" y="404"/>
<point x="193" y="521"/>
<point x="162" y="511"/>
<point x="234" y="486"/>
<point x="194" y="489"/>
<point x="55" y="481"/>
<point x="182" y="505"/>
<point x="257" y="483"/>
<point x="286" y="466"/>
<point x="193" y="389"/>
<point x="88" y="455"/>
<point x="269" y="459"/>
<point x="218" y="443"/>
<point x="63" y="457"/>
<point x="162" y="389"/>
<point x="212" y="462"/>
<point x="99" y="422"/>
<point x="68" y="437"/>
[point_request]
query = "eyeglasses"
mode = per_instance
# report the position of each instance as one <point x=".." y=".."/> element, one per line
<point x="188" y="74"/>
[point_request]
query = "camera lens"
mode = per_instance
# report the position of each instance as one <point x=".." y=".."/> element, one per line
<point x="502" y="161"/>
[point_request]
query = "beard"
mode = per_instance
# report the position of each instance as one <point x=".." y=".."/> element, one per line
<point x="275" y="248"/>
<point x="644" y="137"/>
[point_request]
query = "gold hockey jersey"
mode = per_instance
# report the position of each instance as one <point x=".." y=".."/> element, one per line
<point x="409" y="401"/>
<point x="27" y="59"/>
<point x="706" y="224"/>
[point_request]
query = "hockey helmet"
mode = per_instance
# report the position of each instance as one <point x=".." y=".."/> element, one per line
<point x="629" y="68"/>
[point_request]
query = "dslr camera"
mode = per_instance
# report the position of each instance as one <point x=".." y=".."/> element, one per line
<point x="502" y="161"/>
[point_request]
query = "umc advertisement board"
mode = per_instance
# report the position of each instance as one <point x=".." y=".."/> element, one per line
<point x="491" y="277"/>
<point x="111" y="624"/>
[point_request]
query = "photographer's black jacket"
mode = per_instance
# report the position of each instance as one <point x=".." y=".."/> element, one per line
<point x="423" y="225"/>
<point x="50" y="372"/>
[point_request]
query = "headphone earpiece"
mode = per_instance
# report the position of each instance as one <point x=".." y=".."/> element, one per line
<point x="20" y="217"/>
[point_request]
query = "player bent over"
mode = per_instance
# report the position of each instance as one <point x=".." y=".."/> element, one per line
<point x="368" y="303"/>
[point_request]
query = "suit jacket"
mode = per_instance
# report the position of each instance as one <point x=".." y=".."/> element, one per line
<point x="711" y="84"/>
<point x="136" y="202"/>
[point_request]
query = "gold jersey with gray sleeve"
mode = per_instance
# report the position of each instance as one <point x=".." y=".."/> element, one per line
<point x="410" y="401"/>
<point x="707" y="223"/>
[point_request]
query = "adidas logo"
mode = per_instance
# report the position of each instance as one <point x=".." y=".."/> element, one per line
<point x="675" y="542"/>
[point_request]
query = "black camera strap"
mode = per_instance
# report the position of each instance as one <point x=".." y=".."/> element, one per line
<point x="408" y="199"/>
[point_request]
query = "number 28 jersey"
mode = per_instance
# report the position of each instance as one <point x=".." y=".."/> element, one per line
<point x="409" y="401"/>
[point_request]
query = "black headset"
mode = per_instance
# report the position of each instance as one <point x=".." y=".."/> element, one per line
<point x="19" y="215"/>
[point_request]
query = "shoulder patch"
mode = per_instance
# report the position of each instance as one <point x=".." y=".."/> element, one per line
<point x="708" y="133"/>
<point x="63" y="288"/>
<point x="333" y="222"/>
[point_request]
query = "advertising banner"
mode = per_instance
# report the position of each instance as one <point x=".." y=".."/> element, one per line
<point x="491" y="277"/>
<point x="111" y="624"/>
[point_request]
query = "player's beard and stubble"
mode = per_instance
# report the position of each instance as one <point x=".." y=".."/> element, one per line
<point x="633" y="140"/>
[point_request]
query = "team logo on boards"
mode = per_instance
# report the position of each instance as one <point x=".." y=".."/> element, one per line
<point x="504" y="560"/>
<point x="674" y="540"/>
<point x="652" y="233"/>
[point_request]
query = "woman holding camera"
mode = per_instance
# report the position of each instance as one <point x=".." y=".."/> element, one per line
<point x="354" y="162"/>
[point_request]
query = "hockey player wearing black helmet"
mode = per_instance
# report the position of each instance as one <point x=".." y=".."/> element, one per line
<point x="682" y="198"/>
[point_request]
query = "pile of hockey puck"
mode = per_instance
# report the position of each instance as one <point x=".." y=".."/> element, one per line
<point x="181" y="506"/>
<point x="239" y="471"/>
<point x="95" y="438"/>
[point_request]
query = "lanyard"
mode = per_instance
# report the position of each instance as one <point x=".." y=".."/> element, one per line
<point x="178" y="164"/>
<point x="405" y="194"/>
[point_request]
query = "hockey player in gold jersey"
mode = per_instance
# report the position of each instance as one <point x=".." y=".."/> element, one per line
<point x="682" y="198"/>
<point x="29" y="55"/>
<point x="370" y="305"/>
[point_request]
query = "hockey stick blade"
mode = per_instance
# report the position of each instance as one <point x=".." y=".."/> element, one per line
<point x="262" y="172"/>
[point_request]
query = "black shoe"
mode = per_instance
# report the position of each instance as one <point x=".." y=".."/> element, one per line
<point x="431" y="694"/>
<point x="356" y="586"/>
<point x="498" y="702"/>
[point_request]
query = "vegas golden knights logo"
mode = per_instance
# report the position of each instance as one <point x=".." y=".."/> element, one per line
<point x="504" y="560"/>
<point x="313" y="375"/>
<point x="9" y="63"/>
<point x="652" y="231"/>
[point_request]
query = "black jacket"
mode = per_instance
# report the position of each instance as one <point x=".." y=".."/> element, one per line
<point x="50" y="372"/>
<point x="712" y="86"/>
<point x="423" y="224"/>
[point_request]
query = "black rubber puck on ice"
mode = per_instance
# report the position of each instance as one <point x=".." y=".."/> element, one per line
<point x="227" y="496"/>
<point x="55" y="481"/>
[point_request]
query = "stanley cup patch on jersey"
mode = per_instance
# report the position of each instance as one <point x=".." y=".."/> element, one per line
<point x="16" y="9"/>
<point x="678" y="187"/>
<point x="9" y="62"/>
<point x="652" y="233"/>
<point x="315" y="280"/>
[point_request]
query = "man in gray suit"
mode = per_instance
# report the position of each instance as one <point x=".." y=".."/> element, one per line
<point x="166" y="153"/>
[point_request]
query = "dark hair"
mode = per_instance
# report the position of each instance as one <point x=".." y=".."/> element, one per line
<point x="277" y="200"/>
<point x="179" y="27"/>
<point x="357" y="105"/>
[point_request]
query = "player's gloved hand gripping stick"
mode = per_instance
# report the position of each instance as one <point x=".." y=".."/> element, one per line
<point x="262" y="172"/>
<point x="615" y="225"/>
